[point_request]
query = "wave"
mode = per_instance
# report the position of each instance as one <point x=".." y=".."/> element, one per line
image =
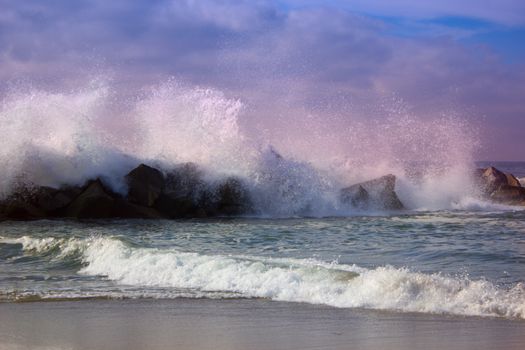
<point x="53" y="138"/>
<point x="292" y="280"/>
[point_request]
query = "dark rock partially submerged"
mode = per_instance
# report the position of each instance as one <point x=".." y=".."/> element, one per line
<point x="183" y="192"/>
<point x="34" y="202"/>
<point x="52" y="200"/>
<point x="18" y="210"/>
<point x="126" y="210"/>
<point x="97" y="202"/>
<point x="513" y="180"/>
<point x="356" y="195"/>
<point x="500" y="187"/>
<point x="93" y="203"/>
<point x="511" y="195"/>
<point x="145" y="184"/>
<point x="374" y="194"/>
<point x="492" y="179"/>
<point x="229" y="198"/>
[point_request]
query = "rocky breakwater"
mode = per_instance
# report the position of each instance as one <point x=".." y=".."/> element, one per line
<point x="500" y="187"/>
<point x="185" y="192"/>
<point x="152" y="194"/>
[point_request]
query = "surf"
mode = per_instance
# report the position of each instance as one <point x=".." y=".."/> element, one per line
<point x="188" y="274"/>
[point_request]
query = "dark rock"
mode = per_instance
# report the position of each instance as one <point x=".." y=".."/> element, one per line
<point x="501" y="187"/>
<point x="145" y="185"/>
<point x="93" y="203"/>
<point x="126" y="210"/>
<point x="183" y="193"/>
<point x="374" y="194"/>
<point x="356" y="195"/>
<point x="17" y="210"/>
<point x="233" y="198"/>
<point x="187" y="195"/>
<point x="97" y="202"/>
<point x="229" y="197"/>
<point x="492" y="179"/>
<point x="511" y="195"/>
<point x="184" y="181"/>
<point x="30" y="201"/>
<point x="512" y="180"/>
<point x="50" y="200"/>
<point x="176" y="208"/>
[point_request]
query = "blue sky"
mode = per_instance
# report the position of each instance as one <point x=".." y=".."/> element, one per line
<point x="503" y="29"/>
<point x="456" y="57"/>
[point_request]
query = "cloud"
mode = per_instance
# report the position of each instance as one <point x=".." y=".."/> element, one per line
<point x="280" y="59"/>
<point x="506" y="12"/>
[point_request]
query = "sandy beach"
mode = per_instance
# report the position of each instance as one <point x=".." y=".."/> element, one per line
<point x="241" y="324"/>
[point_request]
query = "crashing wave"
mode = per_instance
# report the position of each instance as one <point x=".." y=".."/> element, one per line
<point x="52" y="138"/>
<point x="293" y="280"/>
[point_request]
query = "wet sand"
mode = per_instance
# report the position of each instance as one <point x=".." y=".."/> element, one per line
<point x="241" y="324"/>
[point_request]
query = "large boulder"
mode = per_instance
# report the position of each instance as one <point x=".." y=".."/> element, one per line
<point x="513" y="180"/>
<point x="233" y="198"/>
<point x="183" y="191"/>
<point x="145" y="184"/>
<point x="511" y="195"/>
<point x="93" y="203"/>
<point x="185" y="180"/>
<point x="227" y="197"/>
<point x="356" y="196"/>
<point x="187" y="194"/>
<point x="18" y="210"/>
<point x="501" y="187"/>
<point x="123" y="209"/>
<point x="98" y="202"/>
<point x="374" y="194"/>
<point x="29" y="201"/>
<point x="492" y="179"/>
<point x="52" y="200"/>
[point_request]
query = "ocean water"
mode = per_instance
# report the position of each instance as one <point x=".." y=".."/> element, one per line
<point x="452" y="262"/>
<point x="449" y="252"/>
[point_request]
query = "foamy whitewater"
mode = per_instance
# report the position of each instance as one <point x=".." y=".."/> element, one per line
<point x="460" y="264"/>
<point x="449" y="252"/>
<point x="54" y="138"/>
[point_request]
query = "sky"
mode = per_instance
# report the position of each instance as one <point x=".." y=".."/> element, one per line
<point x="428" y="58"/>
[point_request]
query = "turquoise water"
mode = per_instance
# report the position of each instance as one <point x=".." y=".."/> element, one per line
<point x="454" y="262"/>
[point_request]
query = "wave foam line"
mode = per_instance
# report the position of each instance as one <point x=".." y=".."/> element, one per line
<point x="293" y="280"/>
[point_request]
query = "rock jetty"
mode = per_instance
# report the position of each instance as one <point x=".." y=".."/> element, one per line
<point x="182" y="192"/>
<point x="152" y="194"/>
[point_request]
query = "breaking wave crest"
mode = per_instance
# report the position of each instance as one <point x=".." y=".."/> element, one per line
<point x="66" y="137"/>
<point x="293" y="280"/>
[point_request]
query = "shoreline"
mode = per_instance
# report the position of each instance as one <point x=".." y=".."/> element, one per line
<point x="241" y="324"/>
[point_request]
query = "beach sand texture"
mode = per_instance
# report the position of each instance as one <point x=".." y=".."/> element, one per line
<point x="189" y="324"/>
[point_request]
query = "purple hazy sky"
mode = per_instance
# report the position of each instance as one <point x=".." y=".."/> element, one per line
<point x="459" y="58"/>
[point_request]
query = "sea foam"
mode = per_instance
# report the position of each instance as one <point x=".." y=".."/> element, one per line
<point x="293" y="280"/>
